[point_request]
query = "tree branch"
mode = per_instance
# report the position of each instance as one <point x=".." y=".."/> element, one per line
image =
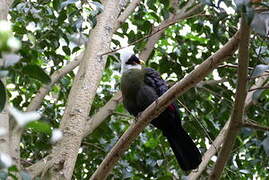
<point x="153" y="33"/>
<point x="82" y="94"/>
<point x="160" y="104"/>
<point x="207" y="156"/>
<point x="6" y="140"/>
<point x="125" y="14"/>
<point x="211" y="82"/>
<point x="94" y="121"/>
<point x="258" y="88"/>
<point x="43" y="91"/>
<point x="214" y="148"/>
<point x="255" y="126"/>
<point x="238" y="111"/>
<point x="157" y="31"/>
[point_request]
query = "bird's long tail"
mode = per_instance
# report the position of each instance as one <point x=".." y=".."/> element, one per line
<point x="186" y="152"/>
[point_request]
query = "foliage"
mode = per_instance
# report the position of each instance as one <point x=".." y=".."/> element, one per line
<point x="54" y="31"/>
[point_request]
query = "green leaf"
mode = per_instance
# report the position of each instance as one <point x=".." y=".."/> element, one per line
<point x="151" y="143"/>
<point x="66" y="50"/>
<point x="39" y="126"/>
<point x="13" y="169"/>
<point x="3" y="96"/>
<point x="56" y="4"/>
<point x="75" y="49"/>
<point x="36" y="72"/>
<point x="62" y="16"/>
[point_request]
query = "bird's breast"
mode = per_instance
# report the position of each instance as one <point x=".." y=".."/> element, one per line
<point x="131" y="82"/>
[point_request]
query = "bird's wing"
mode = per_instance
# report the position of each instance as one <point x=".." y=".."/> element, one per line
<point x="154" y="80"/>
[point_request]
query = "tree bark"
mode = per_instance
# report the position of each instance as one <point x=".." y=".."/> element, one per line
<point x="6" y="139"/>
<point x="238" y="110"/>
<point x="82" y="93"/>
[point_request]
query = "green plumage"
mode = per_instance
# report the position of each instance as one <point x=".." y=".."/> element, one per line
<point x="131" y="81"/>
<point x="137" y="95"/>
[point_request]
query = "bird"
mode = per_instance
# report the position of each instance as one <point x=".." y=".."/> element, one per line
<point x="140" y="87"/>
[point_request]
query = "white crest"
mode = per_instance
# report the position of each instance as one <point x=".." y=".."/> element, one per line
<point x="125" y="54"/>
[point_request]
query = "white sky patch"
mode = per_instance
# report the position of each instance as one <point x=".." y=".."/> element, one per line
<point x="57" y="135"/>
<point x="5" y="26"/>
<point x="31" y="27"/>
<point x="13" y="43"/>
<point x="214" y="158"/>
<point x="229" y="10"/>
<point x="185" y="30"/>
<point x="216" y="75"/>
<point x="5" y="160"/>
<point x="22" y="118"/>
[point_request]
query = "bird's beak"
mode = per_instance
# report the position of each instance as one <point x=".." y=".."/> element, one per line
<point x="142" y="62"/>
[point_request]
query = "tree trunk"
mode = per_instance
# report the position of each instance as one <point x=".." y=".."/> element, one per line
<point x="83" y="92"/>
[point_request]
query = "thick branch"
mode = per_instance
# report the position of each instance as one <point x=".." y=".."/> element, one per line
<point x="43" y="91"/>
<point x="125" y="14"/>
<point x="238" y="111"/>
<point x="82" y="93"/>
<point x="6" y="140"/>
<point x="102" y="114"/>
<point x="159" y="105"/>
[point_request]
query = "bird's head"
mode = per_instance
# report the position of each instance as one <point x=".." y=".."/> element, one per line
<point x="129" y="60"/>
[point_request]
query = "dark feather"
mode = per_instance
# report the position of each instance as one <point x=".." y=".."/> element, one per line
<point x="140" y="88"/>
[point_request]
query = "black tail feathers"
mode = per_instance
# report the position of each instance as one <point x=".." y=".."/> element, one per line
<point x="186" y="152"/>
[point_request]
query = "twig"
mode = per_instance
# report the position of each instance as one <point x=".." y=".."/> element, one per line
<point x="197" y="120"/>
<point x="145" y="37"/>
<point x="214" y="148"/>
<point x="254" y="89"/>
<point x="125" y="14"/>
<point x="94" y="145"/>
<point x="255" y="126"/>
<point x="233" y="66"/>
<point x="211" y="82"/>
<point x="265" y="74"/>
<point x="123" y="114"/>
<point x="179" y="14"/>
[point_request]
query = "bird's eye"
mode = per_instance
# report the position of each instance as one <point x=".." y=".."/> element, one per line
<point x="133" y="60"/>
